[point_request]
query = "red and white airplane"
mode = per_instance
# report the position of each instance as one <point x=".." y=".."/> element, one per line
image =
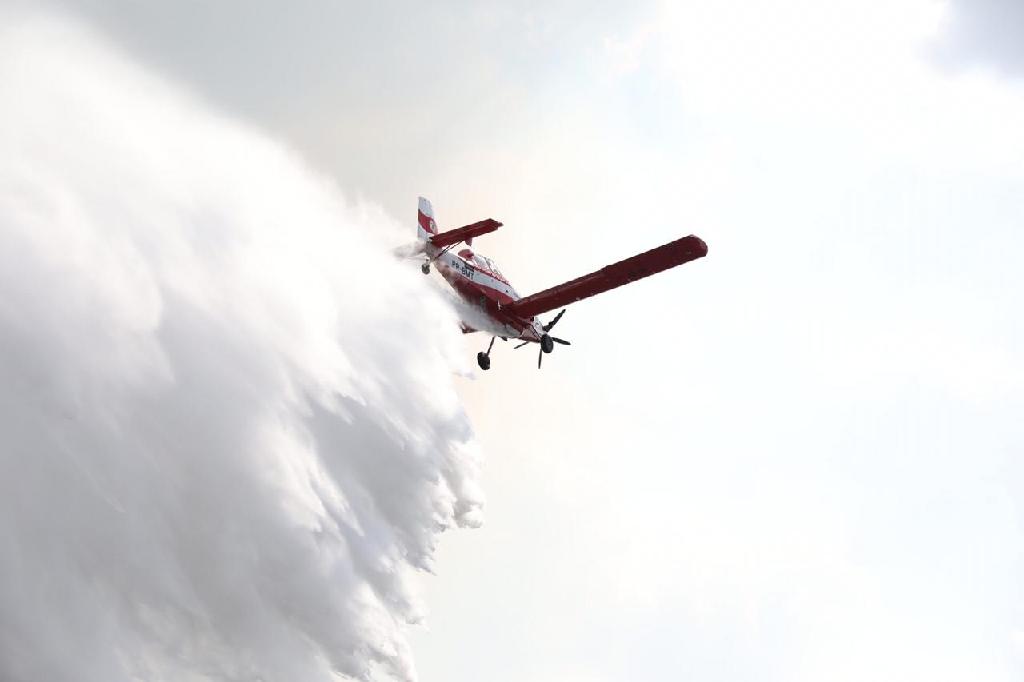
<point x="509" y="315"/>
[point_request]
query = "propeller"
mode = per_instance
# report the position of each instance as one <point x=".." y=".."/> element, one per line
<point x="547" y="342"/>
<point x="551" y="325"/>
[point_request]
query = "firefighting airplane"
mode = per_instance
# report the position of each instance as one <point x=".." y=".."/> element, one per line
<point x="505" y="313"/>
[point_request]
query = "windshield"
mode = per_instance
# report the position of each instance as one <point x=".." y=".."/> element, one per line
<point x="487" y="263"/>
<point x="491" y="266"/>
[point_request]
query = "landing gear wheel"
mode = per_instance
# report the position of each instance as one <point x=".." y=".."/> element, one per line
<point x="484" y="360"/>
<point x="425" y="268"/>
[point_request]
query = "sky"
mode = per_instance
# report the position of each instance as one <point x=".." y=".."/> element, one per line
<point x="795" y="459"/>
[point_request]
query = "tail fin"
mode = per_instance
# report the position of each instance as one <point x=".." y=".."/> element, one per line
<point x="427" y="227"/>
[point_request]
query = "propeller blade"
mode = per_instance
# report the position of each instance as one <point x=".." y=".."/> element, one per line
<point x="561" y="341"/>
<point x="540" y="358"/>
<point x="521" y="345"/>
<point x="550" y="325"/>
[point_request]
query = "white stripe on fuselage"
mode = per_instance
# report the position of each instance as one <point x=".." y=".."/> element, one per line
<point x="455" y="262"/>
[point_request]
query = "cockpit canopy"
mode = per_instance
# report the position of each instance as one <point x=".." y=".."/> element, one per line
<point x="482" y="262"/>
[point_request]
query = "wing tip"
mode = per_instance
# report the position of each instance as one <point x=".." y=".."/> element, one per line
<point x="696" y="246"/>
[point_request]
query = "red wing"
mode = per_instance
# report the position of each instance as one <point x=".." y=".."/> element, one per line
<point x="461" y="234"/>
<point x="610" y="276"/>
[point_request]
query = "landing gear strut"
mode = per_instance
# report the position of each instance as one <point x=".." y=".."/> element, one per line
<point x="484" y="359"/>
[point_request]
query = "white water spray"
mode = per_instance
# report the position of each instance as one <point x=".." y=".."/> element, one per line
<point x="229" y="430"/>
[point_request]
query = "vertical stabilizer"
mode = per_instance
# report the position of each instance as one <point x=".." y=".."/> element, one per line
<point x="427" y="228"/>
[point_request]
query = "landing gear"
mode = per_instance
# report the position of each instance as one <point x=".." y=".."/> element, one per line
<point x="425" y="268"/>
<point x="484" y="359"/>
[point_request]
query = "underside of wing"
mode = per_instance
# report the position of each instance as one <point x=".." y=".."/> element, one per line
<point x="461" y="234"/>
<point x="615" y="275"/>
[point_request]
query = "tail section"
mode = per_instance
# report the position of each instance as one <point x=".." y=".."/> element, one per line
<point x="426" y="230"/>
<point x="427" y="227"/>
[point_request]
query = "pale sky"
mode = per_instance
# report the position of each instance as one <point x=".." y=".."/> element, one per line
<point x="796" y="459"/>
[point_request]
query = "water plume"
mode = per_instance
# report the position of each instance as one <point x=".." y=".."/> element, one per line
<point x="230" y="435"/>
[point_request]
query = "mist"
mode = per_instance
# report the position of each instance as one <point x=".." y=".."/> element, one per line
<point x="230" y="434"/>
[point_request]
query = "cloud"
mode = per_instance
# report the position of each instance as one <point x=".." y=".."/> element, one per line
<point x="379" y="95"/>
<point x="230" y="432"/>
<point x="986" y="31"/>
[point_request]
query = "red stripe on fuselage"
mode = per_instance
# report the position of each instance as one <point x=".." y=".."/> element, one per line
<point x="466" y="256"/>
<point x="490" y="300"/>
<point x="475" y="291"/>
<point x="488" y="273"/>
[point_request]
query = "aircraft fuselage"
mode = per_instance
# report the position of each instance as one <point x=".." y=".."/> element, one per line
<point x="479" y="283"/>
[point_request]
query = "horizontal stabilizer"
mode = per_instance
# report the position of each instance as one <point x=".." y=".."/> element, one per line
<point x="461" y="234"/>
<point x="615" y="275"/>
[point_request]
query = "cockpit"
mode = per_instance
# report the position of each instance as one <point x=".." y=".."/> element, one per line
<point x="481" y="262"/>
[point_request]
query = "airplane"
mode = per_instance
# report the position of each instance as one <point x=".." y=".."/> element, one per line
<point x="506" y="314"/>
